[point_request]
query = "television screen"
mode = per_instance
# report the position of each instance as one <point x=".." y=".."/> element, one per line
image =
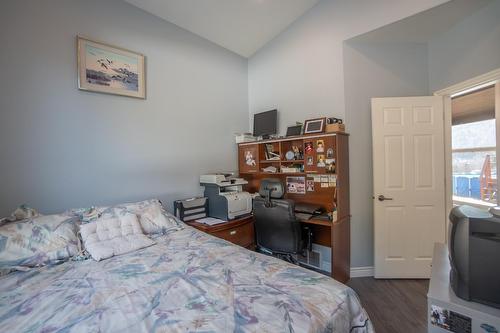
<point x="474" y="245"/>
<point x="265" y="123"/>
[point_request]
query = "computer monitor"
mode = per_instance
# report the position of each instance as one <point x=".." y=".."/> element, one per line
<point x="265" y="123"/>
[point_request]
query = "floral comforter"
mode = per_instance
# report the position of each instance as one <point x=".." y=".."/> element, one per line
<point x="189" y="281"/>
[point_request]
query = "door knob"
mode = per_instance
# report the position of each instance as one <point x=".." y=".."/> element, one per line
<point x="383" y="198"/>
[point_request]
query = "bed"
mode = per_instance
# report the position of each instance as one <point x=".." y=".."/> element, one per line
<point x="188" y="281"/>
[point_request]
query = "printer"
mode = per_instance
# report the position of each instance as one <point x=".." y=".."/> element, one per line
<point x="226" y="198"/>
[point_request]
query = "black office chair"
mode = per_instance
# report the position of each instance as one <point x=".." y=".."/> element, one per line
<point x="278" y="231"/>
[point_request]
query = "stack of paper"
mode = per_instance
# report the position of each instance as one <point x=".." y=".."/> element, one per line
<point x="210" y="221"/>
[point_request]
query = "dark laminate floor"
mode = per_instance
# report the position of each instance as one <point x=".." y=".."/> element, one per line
<point x="394" y="306"/>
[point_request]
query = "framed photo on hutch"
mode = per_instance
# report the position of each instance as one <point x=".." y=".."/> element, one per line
<point x="110" y="69"/>
<point x="314" y="126"/>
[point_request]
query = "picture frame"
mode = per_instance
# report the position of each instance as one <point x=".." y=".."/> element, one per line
<point x="270" y="153"/>
<point x="293" y="130"/>
<point x="316" y="125"/>
<point x="110" y="69"/>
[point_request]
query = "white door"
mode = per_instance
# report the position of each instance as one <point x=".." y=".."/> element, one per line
<point x="408" y="181"/>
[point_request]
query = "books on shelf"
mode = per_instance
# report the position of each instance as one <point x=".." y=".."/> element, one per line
<point x="270" y="169"/>
<point x="290" y="169"/>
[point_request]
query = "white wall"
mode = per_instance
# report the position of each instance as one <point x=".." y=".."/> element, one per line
<point x="381" y="70"/>
<point x="468" y="49"/>
<point x="61" y="147"/>
<point x="301" y="72"/>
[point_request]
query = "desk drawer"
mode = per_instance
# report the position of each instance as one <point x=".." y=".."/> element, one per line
<point x="242" y="235"/>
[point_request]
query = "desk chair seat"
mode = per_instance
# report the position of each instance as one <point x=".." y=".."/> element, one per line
<point x="278" y="231"/>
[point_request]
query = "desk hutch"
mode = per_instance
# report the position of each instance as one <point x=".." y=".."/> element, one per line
<point x="308" y="162"/>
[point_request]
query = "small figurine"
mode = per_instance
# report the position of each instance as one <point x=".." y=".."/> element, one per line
<point x="297" y="153"/>
<point x="249" y="158"/>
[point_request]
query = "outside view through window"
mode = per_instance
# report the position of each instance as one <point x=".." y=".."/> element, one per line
<point x="474" y="162"/>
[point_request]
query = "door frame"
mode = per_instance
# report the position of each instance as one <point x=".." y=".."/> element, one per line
<point x="475" y="82"/>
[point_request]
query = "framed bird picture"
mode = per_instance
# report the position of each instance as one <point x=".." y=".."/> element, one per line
<point x="110" y="69"/>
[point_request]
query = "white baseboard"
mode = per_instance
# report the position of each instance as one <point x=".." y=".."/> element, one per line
<point x="362" y="271"/>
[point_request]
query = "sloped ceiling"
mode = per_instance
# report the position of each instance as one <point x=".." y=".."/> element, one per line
<point x="422" y="27"/>
<point x="242" y="26"/>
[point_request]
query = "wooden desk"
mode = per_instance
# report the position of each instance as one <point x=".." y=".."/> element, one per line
<point x="336" y="235"/>
<point x="240" y="231"/>
<point x="253" y="158"/>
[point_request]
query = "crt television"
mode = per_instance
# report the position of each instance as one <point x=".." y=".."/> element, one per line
<point x="265" y="123"/>
<point x="474" y="247"/>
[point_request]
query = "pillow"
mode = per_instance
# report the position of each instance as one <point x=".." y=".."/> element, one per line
<point x="21" y="213"/>
<point x="38" y="241"/>
<point x="108" y="237"/>
<point x="153" y="218"/>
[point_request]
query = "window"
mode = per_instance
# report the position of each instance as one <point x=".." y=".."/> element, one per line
<point x="474" y="151"/>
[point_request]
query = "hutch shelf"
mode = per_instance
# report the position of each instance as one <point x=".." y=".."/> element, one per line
<point x="322" y="162"/>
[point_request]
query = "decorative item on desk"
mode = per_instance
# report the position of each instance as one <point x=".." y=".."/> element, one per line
<point x="334" y="125"/>
<point x="308" y="147"/>
<point x="316" y="125"/>
<point x="289" y="155"/>
<point x="294" y="130"/>
<point x="297" y="153"/>
<point x="310" y="185"/>
<point x="296" y="185"/>
<point x="310" y="160"/>
<point x="321" y="161"/>
<point x="333" y="120"/>
<point x="270" y="153"/>
<point x="320" y="146"/>
<point x="249" y="158"/>
<point x="329" y="153"/>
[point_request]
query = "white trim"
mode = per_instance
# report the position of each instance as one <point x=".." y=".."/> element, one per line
<point x="475" y="88"/>
<point x="448" y="161"/>
<point x="475" y="81"/>
<point x="474" y="203"/>
<point x="489" y="77"/>
<point x="367" y="271"/>
<point x="473" y="150"/>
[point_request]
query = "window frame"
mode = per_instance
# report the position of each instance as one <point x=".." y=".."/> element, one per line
<point x="493" y="77"/>
<point x="474" y="202"/>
